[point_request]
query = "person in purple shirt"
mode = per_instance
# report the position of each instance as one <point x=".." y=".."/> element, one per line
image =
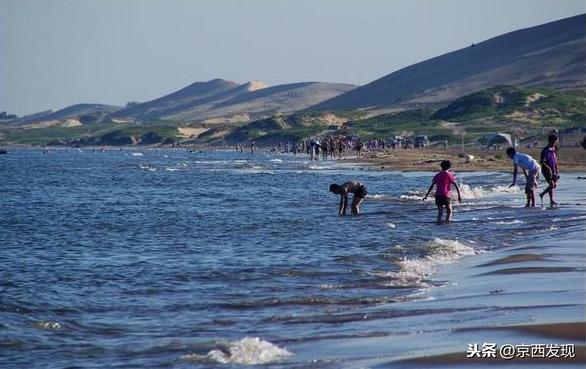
<point x="549" y="167"/>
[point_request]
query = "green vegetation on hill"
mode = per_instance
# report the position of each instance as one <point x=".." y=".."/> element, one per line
<point x="408" y="122"/>
<point x="282" y="128"/>
<point x="95" y="134"/>
<point x="537" y="106"/>
<point x="522" y="112"/>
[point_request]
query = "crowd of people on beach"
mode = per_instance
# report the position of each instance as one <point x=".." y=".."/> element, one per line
<point x="336" y="146"/>
<point x="445" y="179"/>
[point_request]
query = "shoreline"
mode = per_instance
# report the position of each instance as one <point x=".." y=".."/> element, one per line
<point x="537" y="286"/>
<point x="571" y="159"/>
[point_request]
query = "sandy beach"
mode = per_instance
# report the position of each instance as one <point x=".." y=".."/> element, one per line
<point x="537" y="289"/>
<point x="571" y="159"/>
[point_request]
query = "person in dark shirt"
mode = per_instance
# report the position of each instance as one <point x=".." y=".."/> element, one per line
<point x="359" y="191"/>
<point x="549" y="167"/>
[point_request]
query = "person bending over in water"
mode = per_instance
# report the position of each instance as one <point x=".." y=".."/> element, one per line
<point x="530" y="169"/>
<point x="359" y="191"/>
<point x="443" y="180"/>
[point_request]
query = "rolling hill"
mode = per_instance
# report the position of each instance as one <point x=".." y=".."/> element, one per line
<point x="549" y="55"/>
<point x="220" y="98"/>
<point x="91" y="112"/>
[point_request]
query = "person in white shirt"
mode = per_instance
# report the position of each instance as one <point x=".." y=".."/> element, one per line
<point x="531" y="170"/>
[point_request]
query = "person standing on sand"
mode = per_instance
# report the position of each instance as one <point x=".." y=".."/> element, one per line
<point x="549" y="167"/>
<point x="443" y="180"/>
<point x="359" y="146"/>
<point x="531" y="171"/>
<point x="359" y="191"/>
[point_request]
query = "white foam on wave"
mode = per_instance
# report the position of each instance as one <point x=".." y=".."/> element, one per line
<point x="147" y="167"/>
<point x="137" y="154"/>
<point x="411" y="197"/>
<point x="580" y="217"/>
<point x="49" y="326"/>
<point x="317" y="167"/>
<point x="247" y="351"/>
<point x="468" y="192"/>
<point x="415" y="272"/>
<point x="509" y="222"/>
<point x="276" y="160"/>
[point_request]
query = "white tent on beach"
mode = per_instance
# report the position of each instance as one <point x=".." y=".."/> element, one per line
<point x="498" y="138"/>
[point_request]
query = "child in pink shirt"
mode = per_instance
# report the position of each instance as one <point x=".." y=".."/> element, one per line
<point x="443" y="180"/>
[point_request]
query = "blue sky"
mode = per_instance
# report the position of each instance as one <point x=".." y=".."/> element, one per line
<point x="55" y="53"/>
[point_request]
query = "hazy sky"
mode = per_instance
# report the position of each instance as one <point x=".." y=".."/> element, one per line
<point x="55" y="53"/>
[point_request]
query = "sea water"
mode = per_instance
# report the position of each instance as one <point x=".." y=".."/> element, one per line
<point x="171" y="258"/>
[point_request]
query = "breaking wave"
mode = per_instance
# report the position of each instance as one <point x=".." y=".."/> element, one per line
<point x="416" y="272"/>
<point x="247" y="351"/>
<point x="468" y="192"/>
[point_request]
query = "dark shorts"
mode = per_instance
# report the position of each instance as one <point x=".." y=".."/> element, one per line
<point x="442" y="201"/>
<point x="548" y="175"/>
<point x="361" y="192"/>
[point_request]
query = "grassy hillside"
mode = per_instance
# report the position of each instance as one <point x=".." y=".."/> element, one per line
<point x="522" y="112"/>
<point x="282" y="128"/>
<point x="409" y="122"/>
<point x="110" y="134"/>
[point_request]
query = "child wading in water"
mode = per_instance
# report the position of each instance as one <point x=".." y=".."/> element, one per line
<point x="443" y="180"/>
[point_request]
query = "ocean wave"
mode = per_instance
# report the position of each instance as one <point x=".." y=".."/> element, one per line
<point x="49" y="326"/>
<point x="412" y="196"/>
<point x="147" y="167"/>
<point x="510" y="222"/>
<point x="247" y="351"/>
<point x="416" y="272"/>
<point x="468" y="192"/>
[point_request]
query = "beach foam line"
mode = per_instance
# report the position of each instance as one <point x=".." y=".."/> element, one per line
<point x="416" y="272"/>
<point x="468" y="192"/>
<point x="247" y="351"/>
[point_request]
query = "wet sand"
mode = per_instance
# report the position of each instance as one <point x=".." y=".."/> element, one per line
<point x="542" y="296"/>
<point x="460" y="360"/>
